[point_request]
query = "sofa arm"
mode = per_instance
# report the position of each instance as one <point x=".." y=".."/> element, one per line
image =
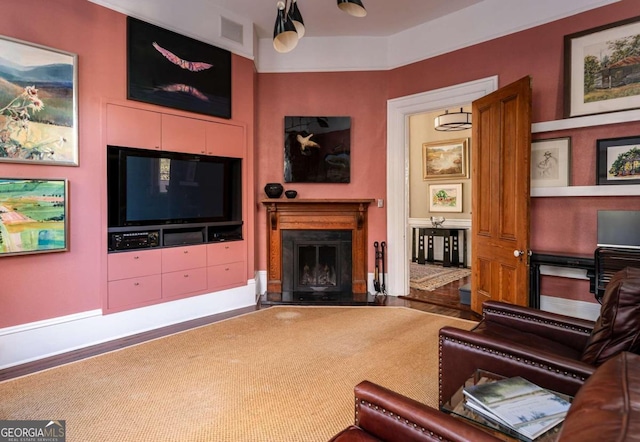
<point x="390" y="416"/>
<point x="462" y="352"/>
<point x="567" y="330"/>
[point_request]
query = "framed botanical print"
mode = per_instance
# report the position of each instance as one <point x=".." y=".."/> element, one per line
<point x="618" y="161"/>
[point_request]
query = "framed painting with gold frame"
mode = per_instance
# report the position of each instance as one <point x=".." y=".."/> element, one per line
<point x="445" y="159"/>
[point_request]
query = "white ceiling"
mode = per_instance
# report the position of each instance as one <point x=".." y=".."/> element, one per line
<point x="322" y="18"/>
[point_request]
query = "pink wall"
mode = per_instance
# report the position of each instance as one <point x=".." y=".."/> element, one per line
<point x="37" y="287"/>
<point x="360" y="95"/>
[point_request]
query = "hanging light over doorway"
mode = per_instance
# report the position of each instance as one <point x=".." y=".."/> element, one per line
<point x="290" y="27"/>
<point x="450" y="122"/>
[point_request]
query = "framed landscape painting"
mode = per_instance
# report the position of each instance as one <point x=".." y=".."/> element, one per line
<point x="445" y="159"/>
<point x="445" y="197"/>
<point x="602" y="69"/>
<point x="618" y="161"/>
<point x="33" y="216"/>
<point x="172" y="70"/>
<point x="38" y="104"/>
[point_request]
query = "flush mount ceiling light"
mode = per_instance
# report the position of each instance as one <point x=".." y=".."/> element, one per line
<point x="289" y="27"/>
<point x="450" y="122"/>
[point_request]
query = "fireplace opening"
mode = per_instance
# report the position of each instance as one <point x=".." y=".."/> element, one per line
<point x="316" y="263"/>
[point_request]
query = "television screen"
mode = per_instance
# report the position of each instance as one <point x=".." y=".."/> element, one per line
<point x="158" y="187"/>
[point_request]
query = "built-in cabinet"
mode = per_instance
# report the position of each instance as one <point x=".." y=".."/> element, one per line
<point x="131" y="127"/>
<point x="144" y="277"/>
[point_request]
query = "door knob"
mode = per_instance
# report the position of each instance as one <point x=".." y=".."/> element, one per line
<point x="519" y="253"/>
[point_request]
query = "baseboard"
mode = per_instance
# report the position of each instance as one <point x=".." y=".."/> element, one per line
<point x="43" y="339"/>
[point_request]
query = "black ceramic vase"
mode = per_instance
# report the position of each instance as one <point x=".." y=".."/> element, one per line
<point x="273" y="190"/>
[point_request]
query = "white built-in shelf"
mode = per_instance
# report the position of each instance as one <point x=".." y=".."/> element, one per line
<point x="622" y="190"/>
<point x="586" y="121"/>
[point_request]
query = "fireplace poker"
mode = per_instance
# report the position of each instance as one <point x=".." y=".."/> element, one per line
<point x="383" y="247"/>
<point x="376" y="272"/>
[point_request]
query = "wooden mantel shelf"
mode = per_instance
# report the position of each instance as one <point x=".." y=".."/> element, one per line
<point x="317" y="214"/>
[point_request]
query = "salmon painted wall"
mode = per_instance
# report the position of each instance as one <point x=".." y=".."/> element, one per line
<point x="557" y="224"/>
<point x="43" y="286"/>
<point x="360" y="95"/>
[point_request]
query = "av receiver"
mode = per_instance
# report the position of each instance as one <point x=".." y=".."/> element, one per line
<point x="134" y="240"/>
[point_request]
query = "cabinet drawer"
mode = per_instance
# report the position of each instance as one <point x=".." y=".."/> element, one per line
<point x="131" y="127"/>
<point x="226" y="275"/>
<point x="182" y="134"/>
<point x="183" y="282"/>
<point x="220" y="253"/>
<point x="133" y="264"/>
<point x="183" y="258"/>
<point x="225" y="140"/>
<point x="128" y="292"/>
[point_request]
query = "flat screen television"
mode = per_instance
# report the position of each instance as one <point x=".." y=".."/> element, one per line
<point x="150" y="187"/>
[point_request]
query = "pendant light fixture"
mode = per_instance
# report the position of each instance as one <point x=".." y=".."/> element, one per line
<point x="285" y="37"/>
<point x="289" y="27"/>
<point x="352" y="7"/>
<point x="296" y="18"/>
<point x="450" y="122"/>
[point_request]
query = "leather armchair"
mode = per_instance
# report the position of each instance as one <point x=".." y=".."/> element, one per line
<point x="384" y="415"/>
<point x="555" y="351"/>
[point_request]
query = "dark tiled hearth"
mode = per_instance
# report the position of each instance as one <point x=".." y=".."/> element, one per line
<point x="319" y="298"/>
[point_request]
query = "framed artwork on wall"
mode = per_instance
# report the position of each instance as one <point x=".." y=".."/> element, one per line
<point x="33" y="215"/>
<point x="38" y="104"/>
<point x="445" y="197"/>
<point x="602" y="70"/>
<point x="317" y="149"/>
<point x="172" y="70"/>
<point x="551" y="162"/>
<point x="618" y="161"/>
<point x="445" y="159"/>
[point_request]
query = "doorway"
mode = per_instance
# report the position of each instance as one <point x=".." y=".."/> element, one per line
<point x="398" y="112"/>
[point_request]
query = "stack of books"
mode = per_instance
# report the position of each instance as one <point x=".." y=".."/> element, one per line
<point x="517" y="404"/>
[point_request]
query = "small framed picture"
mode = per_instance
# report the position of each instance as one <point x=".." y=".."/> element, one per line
<point x="618" y="161"/>
<point x="445" y="159"/>
<point x="551" y="162"/>
<point x="33" y="215"/>
<point x="445" y="197"/>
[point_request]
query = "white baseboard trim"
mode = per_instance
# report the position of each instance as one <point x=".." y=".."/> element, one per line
<point x="37" y="340"/>
<point x="570" y="307"/>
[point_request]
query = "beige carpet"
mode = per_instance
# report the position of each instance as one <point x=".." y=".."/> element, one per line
<point x="429" y="277"/>
<point x="279" y="374"/>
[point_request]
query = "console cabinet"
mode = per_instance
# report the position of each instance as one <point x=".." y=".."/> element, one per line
<point x="140" y="278"/>
<point x="132" y="127"/>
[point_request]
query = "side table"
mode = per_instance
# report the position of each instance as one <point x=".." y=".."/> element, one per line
<point x="451" y="253"/>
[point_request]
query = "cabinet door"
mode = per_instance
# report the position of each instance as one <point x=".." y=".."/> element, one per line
<point x="226" y="276"/>
<point x="225" y="140"/>
<point x="176" y="284"/>
<point x="133" y="264"/>
<point x="131" y="127"/>
<point x="180" y="134"/>
<point x="225" y="252"/>
<point x="183" y="258"/>
<point x="134" y="291"/>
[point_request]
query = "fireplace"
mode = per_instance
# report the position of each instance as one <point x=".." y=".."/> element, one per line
<point x="317" y="249"/>
<point x="316" y="262"/>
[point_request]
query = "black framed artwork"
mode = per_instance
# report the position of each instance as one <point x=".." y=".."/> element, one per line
<point x="317" y="149"/>
<point x="618" y="161"/>
<point x="172" y="70"/>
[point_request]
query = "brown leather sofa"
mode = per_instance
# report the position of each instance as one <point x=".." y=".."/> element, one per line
<point x="607" y="407"/>
<point x="554" y="351"/>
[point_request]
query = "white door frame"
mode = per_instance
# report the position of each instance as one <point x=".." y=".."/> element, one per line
<point x="398" y="112"/>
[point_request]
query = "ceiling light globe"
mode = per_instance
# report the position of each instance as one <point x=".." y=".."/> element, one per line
<point x="354" y="8"/>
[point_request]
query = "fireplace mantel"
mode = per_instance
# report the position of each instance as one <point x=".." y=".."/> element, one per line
<point x="317" y="214"/>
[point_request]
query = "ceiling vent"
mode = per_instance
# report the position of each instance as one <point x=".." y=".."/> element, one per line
<point x="231" y="30"/>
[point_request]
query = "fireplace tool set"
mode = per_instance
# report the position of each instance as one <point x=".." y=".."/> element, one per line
<point x="380" y="250"/>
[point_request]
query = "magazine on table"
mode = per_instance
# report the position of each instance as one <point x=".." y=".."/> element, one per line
<point x="519" y="404"/>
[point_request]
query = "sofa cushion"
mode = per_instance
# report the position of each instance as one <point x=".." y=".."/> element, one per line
<point x="618" y="327"/>
<point x="607" y="407"/>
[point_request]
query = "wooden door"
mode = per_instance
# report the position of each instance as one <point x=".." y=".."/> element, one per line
<point x="500" y="195"/>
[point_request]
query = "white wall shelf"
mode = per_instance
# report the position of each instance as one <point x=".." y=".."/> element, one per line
<point x="586" y="121"/>
<point x="579" y="122"/>
<point x="622" y="190"/>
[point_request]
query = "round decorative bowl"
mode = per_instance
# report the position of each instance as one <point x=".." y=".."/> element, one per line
<point x="273" y="190"/>
<point x="290" y="193"/>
